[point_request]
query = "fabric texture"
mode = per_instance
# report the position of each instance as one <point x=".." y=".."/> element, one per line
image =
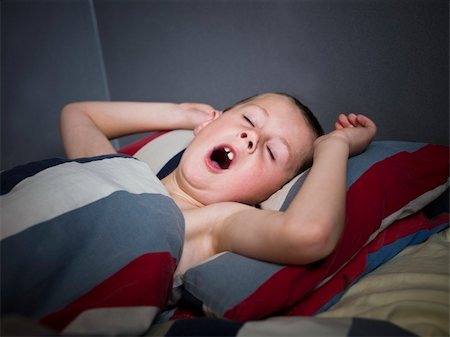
<point x="280" y="326"/>
<point x="104" y="238"/>
<point x="411" y="290"/>
<point x="88" y="246"/>
<point x="387" y="185"/>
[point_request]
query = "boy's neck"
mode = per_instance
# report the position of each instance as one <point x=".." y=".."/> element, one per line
<point x="181" y="198"/>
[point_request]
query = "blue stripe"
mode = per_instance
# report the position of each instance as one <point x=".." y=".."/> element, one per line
<point x="293" y="192"/>
<point x="389" y="251"/>
<point x="384" y="254"/>
<point x="170" y="165"/>
<point x="51" y="264"/>
<point x="10" y="178"/>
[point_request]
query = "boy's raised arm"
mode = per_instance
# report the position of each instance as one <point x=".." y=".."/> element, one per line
<point x="311" y="227"/>
<point x="87" y="127"/>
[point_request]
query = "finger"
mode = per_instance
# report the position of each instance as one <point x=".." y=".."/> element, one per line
<point x="343" y="119"/>
<point x="338" y="126"/>
<point x="353" y="119"/>
<point x="365" y="121"/>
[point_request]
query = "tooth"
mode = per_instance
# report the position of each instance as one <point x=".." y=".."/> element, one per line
<point x="230" y="155"/>
<point x="227" y="149"/>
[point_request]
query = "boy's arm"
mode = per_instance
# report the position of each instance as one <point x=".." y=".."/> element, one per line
<point x="312" y="225"/>
<point x="87" y="127"/>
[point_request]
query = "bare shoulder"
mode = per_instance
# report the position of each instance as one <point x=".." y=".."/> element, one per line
<point x="211" y="220"/>
<point x="202" y="228"/>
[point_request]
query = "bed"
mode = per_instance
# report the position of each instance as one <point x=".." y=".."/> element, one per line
<point x="101" y="260"/>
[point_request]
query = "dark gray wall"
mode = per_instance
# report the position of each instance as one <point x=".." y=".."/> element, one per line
<point x="387" y="59"/>
<point x="50" y="56"/>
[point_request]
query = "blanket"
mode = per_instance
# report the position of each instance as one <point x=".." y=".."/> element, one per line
<point x="411" y="290"/>
<point x="88" y="246"/>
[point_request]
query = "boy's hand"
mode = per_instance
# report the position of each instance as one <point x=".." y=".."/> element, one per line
<point x="356" y="130"/>
<point x="198" y="113"/>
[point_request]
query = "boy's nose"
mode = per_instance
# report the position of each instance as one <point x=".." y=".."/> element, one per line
<point x="251" y="138"/>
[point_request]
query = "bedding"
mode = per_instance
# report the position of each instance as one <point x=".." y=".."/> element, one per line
<point x="279" y="326"/>
<point x="411" y="290"/>
<point x="406" y="296"/>
<point x="387" y="185"/>
<point x="88" y="246"/>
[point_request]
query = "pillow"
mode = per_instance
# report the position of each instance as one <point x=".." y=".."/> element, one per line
<point x="89" y="246"/>
<point x="390" y="181"/>
<point x="162" y="151"/>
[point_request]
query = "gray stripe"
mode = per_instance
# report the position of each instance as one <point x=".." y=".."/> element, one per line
<point x="49" y="265"/>
<point x="225" y="281"/>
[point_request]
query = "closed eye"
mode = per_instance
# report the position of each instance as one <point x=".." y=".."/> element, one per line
<point x="248" y="120"/>
<point x="271" y="153"/>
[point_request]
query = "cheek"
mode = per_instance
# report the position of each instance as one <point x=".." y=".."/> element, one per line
<point x="259" y="184"/>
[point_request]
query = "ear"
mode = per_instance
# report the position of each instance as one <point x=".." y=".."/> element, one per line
<point x="216" y="114"/>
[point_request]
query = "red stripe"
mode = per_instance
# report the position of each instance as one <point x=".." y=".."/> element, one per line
<point x="134" y="147"/>
<point x="146" y="281"/>
<point x="382" y="190"/>
<point x="186" y="312"/>
<point x="358" y="265"/>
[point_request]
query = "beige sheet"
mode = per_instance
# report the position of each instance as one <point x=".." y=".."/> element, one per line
<point x="411" y="290"/>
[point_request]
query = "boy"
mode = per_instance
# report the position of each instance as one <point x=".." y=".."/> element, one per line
<point x="269" y="137"/>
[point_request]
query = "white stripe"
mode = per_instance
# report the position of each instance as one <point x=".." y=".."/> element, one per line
<point x="414" y="205"/>
<point x="159" y="151"/>
<point x="276" y="200"/>
<point x="59" y="189"/>
<point x="127" y="321"/>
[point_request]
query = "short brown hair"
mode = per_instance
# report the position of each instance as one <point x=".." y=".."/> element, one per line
<point x="311" y="119"/>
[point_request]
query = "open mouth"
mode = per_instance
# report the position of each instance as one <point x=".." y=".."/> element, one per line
<point x="221" y="157"/>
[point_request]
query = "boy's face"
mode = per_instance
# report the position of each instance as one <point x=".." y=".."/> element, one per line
<point x="247" y="153"/>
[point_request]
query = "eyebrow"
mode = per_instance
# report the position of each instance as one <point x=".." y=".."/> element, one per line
<point x="261" y="109"/>
<point x="283" y="140"/>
